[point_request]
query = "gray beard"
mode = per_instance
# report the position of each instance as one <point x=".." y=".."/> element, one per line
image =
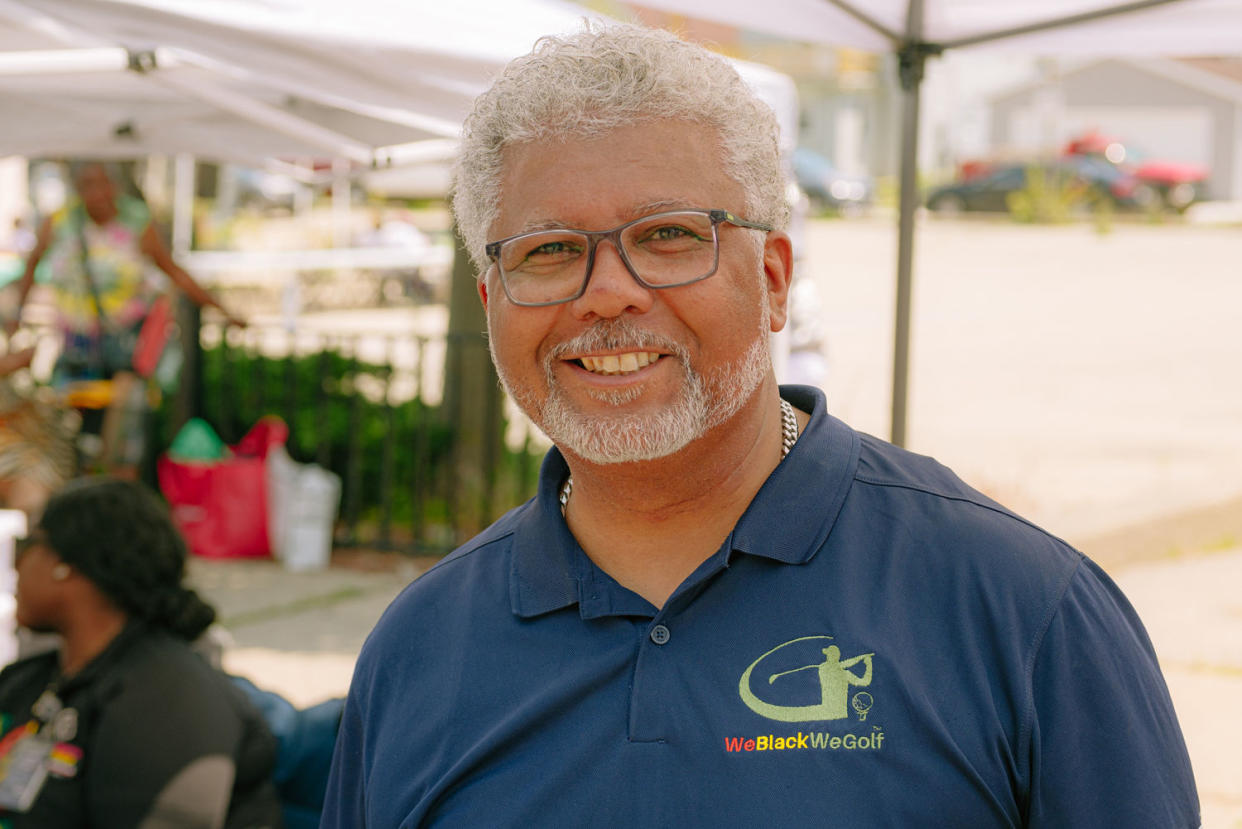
<point x="705" y="401"/>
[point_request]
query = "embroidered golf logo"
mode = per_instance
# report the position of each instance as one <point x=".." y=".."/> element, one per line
<point x="836" y="676"/>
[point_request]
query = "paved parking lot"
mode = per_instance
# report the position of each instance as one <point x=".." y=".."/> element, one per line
<point x="1090" y="381"/>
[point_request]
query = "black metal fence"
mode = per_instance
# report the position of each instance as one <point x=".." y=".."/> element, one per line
<point x="371" y="409"/>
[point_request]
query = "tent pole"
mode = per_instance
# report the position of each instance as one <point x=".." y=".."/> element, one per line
<point x="183" y="204"/>
<point x="342" y="200"/>
<point x="908" y="188"/>
<point x="911" y="59"/>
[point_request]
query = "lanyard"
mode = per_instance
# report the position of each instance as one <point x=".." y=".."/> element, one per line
<point x="30" y="752"/>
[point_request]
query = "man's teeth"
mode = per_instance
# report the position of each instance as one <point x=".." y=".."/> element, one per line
<point x="620" y="363"/>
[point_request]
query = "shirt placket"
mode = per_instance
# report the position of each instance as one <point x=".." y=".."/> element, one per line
<point x="653" y="692"/>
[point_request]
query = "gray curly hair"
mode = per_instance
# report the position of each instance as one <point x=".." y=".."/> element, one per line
<point x="604" y="77"/>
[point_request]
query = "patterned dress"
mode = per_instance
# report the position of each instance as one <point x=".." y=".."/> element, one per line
<point x="120" y="275"/>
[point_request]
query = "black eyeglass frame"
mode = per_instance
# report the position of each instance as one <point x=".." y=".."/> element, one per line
<point x="717" y="217"/>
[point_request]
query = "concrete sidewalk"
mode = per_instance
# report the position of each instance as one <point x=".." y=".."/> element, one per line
<point x="298" y="633"/>
<point x="1193" y="613"/>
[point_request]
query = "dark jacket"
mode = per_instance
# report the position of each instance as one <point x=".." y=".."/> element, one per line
<point x="160" y="735"/>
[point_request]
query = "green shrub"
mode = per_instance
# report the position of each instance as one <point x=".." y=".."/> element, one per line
<point x="1046" y="199"/>
<point x="1051" y="198"/>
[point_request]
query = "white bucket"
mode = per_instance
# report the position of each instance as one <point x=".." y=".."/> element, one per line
<point x="302" y="502"/>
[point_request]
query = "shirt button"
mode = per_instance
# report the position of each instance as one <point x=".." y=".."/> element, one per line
<point x="659" y="634"/>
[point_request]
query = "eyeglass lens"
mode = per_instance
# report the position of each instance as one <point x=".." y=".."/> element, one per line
<point x="666" y="249"/>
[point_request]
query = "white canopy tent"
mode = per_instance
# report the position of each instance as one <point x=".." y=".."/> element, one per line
<point x="915" y="30"/>
<point x="238" y="80"/>
<point x="379" y="84"/>
<point x="365" y="84"/>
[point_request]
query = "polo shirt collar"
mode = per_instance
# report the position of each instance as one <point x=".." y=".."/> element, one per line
<point x="795" y="509"/>
<point x="547" y="563"/>
<point x="549" y="568"/>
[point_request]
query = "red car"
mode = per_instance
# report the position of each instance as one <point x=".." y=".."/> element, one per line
<point x="1177" y="183"/>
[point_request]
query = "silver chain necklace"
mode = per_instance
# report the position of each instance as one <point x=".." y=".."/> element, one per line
<point x="789" y="436"/>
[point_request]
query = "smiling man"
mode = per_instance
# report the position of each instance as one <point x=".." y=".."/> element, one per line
<point x="724" y="607"/>
<point x="617" y="391"/>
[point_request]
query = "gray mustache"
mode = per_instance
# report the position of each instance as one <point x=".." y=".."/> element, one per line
<point x="616" y="334"/>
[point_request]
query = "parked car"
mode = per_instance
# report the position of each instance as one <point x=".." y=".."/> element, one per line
<point x="989" y="190"/>
<point x="1177" y="184"/>
<point x="828" y="188"/>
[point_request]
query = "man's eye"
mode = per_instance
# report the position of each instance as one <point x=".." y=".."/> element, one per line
<point x="534" y="254"/>
<point x="670" y="233"/>
<point x="550" y="253"/>
<point x="669" y="239"/>
<point x="553" y="249"/>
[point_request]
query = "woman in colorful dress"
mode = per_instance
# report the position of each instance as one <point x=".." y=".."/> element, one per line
<point x="102" y="251"/>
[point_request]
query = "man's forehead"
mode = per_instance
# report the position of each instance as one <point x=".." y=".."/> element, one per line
<point x="614" y="175"/>
<point x="624" y="213"/>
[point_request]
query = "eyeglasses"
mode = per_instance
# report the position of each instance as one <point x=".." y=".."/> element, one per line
<point x="664" y="250"/>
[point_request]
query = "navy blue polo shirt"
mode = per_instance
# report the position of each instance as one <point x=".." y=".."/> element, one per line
<point x="875" y="645"/>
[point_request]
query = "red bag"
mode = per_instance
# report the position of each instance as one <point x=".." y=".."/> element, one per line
<point x="153" y="336"/>
<point x="221" y="506"/>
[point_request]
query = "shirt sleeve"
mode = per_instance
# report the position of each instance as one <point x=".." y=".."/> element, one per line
<point x="344" y="802"/>
<point x="1105" y="746"/>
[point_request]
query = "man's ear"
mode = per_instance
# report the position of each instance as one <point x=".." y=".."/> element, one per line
<point x="482" y="284"/>
<point x="778" y="273"/>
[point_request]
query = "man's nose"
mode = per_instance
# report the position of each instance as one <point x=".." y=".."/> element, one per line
<point x="611" y="289"/>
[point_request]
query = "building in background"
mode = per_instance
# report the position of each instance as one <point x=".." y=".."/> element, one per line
<point x="1182" y="110"/>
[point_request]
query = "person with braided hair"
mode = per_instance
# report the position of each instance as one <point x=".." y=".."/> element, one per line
<point x="124" y="725"/>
